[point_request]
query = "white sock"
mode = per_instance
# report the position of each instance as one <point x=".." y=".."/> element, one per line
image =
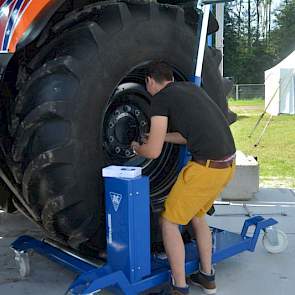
<point x="212" y="273"/>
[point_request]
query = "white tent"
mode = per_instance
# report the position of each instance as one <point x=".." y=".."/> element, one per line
<point x="279" y="84"/>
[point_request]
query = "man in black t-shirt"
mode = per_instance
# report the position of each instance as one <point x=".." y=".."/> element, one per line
<point x="195" y="120"/>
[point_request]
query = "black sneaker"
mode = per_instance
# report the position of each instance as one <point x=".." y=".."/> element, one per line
<point x="204" y="281"/>
<point x="172" y="290"/>
<point x="179" y="291"/>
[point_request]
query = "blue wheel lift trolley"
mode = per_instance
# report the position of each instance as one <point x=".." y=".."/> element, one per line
<point x="131" y="267"/>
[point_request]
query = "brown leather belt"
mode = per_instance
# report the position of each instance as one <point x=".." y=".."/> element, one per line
<point x="217" y="164"/>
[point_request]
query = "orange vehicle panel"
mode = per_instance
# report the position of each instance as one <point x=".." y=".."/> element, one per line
<point x="16" y="16"/>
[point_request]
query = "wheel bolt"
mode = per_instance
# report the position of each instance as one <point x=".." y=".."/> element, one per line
<point x="127" y="108"/>
<point x="137" y="113"/>
<point x="111" y="139"/>
<point x="142" y="123"/>
<point x="117" y="150"/>
<point x="127" y="153"/>
<point x="111" y="125"/>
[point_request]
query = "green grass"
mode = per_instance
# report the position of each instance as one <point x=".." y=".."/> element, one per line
<point x="252" y="102"/>
<point x="276" y="150"/>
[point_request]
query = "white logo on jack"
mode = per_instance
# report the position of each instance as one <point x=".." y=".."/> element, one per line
<point x="116" y="200"/>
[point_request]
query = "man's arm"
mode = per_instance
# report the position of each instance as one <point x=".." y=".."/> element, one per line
<point x="153" y="147"/>
<point x="175" y="137"/>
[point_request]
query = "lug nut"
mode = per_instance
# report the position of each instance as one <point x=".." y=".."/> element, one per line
<point x="142" y="123"/>
<point x="137" y="113"/>
<point x="111" y="125"/>
<point x="127" y="153"/>
<point x="111" y="139"/>
<point x="117" y="150"/>
<point x="117" y="113"/>
<point x="127" y="108"/>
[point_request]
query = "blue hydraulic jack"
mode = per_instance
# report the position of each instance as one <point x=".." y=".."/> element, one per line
<point x="131" y="268"/>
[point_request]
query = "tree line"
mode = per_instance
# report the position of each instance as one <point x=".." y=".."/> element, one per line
<point x="256" y="37"/>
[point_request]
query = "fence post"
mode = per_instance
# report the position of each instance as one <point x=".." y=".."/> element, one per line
<point x="237" y="92"/>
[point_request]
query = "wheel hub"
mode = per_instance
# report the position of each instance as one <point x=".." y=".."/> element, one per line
<point x="125" y="122"/>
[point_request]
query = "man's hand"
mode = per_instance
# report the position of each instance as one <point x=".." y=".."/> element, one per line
<point x="135" y="145"/>
<point x="154" y="144"/>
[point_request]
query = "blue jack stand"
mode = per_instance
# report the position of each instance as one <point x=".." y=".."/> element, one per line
<point x="131" y="267"/>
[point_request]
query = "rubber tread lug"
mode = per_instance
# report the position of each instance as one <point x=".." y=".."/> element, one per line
<point x="77" y="236"/>
<point x="228" y="85"/>
<point x="213" y="25"/>
<point x="64" y="63"/>
<point x="32" y="121"/>
<point x="180" y="16"/>
<point x="51" y="208"/>
<point x="97" y="32"/>
<point x="81" y="14"/>
<point x="75" y="17"/>
<point x="61" y="155"/>
<point x="154" y="11"/>
<point x="216" y="54"/>
<point x="125" y="13"/>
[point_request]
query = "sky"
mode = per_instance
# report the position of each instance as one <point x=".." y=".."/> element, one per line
<point x="276" y="3"/>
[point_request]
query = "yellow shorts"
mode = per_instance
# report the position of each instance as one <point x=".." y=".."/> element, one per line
<point x="194" y="192"/>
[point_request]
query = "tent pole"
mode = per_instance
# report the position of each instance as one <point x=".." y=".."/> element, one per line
<point x="263" y="131"/>
<point x="263" y="113"/>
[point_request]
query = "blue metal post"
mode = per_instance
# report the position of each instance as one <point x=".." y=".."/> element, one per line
<point x="201" y="44"/>
<point x="128" y="226"/>
<point x="184" y="157"/>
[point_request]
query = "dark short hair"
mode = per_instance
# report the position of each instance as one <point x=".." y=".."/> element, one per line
<point x="160" y="71"/>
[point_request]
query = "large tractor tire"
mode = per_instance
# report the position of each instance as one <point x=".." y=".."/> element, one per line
<point x="84" y="102"/>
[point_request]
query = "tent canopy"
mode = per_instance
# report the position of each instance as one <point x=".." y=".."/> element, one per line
<point x="279" y="84"/>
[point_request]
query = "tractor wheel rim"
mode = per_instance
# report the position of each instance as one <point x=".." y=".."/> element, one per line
<point x="127" y="119"/>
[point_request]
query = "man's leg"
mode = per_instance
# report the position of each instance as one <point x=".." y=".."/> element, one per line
<point x="204" y="278"/>
<point x="204" y="241"/>
<point x="175" y="252"/>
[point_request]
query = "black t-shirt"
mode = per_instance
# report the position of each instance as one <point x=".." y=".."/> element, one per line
<point x="192" y="113"/>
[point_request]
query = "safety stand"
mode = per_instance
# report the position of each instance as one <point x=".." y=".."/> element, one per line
<point x="131" y="267"/>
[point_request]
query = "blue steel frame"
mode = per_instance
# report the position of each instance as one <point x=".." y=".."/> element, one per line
<point x="92" y="279"/>
<point x="185" y="155"/>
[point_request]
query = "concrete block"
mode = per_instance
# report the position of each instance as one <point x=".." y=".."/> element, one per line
<point x="245" y="182"/>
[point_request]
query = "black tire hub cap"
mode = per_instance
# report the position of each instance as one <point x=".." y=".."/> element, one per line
<point x="125" y="123"/>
